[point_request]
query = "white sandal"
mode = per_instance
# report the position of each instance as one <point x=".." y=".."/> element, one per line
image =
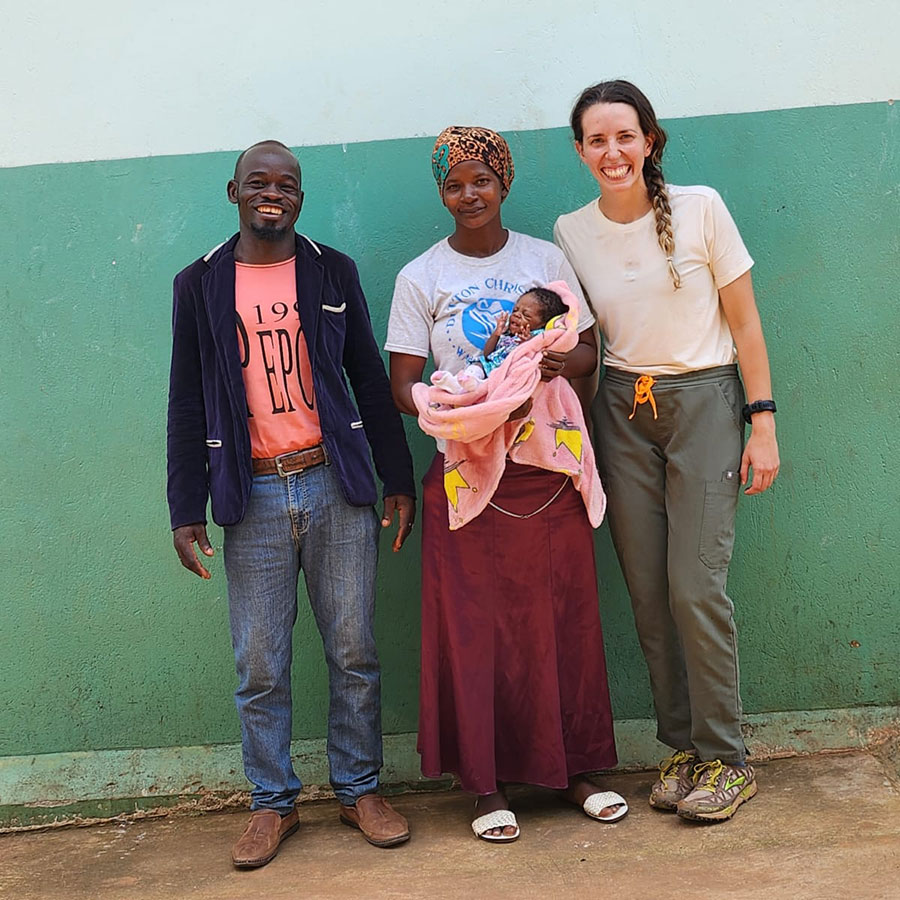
<point x="499" y="818"/>
<point x="596" y="803"/>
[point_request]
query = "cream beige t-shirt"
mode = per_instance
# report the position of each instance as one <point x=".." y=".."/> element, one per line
<point x="648" y="326"/>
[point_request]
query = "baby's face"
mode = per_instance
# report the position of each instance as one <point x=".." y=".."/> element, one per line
<point x="526" y="316"/>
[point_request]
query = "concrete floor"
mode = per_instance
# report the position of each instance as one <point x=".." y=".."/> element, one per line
<point x="820" y="828"/>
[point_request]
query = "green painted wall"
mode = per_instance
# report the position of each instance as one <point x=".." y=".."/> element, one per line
<point x="106" y="643"/>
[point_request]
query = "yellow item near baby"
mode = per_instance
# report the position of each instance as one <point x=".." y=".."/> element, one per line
<point x="555" y="322"/>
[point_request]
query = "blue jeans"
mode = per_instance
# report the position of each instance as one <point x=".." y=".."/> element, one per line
<point x="293" y="523"/>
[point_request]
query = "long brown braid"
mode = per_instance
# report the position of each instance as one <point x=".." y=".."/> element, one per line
<point x="662" y="212"/>
<point x="625" y="92"/>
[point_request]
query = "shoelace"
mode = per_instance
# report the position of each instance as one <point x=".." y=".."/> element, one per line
<point x="712" y="769"/>
<point x="668" y="768"/>
<point x="643" y="393"/>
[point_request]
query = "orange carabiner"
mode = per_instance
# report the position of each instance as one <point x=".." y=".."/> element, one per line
<point x="643" y="392"/>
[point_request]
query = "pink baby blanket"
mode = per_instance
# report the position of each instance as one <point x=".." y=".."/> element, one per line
<point x="479" y="437"/>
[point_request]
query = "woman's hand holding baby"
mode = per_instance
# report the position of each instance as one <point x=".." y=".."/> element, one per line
<point x="552" y="364"/>
<point x="578" y="362"/>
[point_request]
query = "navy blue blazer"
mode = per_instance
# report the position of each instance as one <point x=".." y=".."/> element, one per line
<point x="208" y="438"/>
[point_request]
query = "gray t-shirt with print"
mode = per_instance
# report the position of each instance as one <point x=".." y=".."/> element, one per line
<point x="446" y="303"/>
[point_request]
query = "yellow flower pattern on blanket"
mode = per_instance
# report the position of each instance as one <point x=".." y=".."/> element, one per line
<point x="454" y="482"/>
<point x="525" y="432"/>
<point x="568" y="435"/>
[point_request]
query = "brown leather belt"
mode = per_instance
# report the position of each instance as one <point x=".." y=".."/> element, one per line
<point x="287" y="463"/>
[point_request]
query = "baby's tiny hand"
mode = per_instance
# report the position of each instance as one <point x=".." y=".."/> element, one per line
<point x="500" y="324"/>
<point x="519" y="329"/>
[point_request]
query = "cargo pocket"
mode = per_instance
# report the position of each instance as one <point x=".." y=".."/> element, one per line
<point x="717" y="528"/>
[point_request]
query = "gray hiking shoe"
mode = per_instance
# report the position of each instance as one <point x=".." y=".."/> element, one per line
<point x="676" y="780"/>
<point x="719" y="789"/>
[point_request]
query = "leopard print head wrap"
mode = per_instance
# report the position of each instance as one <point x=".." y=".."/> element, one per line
<point x="460" y="143"/>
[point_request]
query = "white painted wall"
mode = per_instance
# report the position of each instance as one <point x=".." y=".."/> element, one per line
<point x="103" y="79"/>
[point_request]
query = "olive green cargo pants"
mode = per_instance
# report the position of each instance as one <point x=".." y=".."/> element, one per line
<point x="672" y="479"/>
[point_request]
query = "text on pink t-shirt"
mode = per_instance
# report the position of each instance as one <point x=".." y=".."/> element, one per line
<point x="275" y="360"/>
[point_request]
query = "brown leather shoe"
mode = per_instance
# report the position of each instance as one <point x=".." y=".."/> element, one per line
<point x="259" y="842"/>
<point x="379" y="822"/>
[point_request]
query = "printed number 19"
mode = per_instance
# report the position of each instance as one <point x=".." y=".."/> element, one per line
<point x="278" y="309"/>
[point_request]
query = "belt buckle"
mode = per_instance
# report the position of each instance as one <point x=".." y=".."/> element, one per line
<point x="279" y="460"/>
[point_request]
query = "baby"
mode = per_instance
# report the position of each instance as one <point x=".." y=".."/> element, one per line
<point x="529" y="317"/>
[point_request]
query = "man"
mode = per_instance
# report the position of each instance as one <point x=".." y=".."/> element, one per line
<point x="261" y="423"/>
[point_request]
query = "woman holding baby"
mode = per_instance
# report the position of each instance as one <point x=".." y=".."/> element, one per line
<point x="513" y="678"/>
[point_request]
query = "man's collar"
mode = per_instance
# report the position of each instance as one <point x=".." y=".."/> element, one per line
<point x="302" y="244"/>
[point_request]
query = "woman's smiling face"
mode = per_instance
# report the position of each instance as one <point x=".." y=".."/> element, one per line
<point x="473" y="193"/>
<point x="613" y="146"/>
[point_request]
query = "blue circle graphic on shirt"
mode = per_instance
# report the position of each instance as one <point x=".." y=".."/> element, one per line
<point x="480" y="317"/>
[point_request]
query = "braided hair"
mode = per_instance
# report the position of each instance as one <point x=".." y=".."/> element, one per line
<point x="625" y="92"/>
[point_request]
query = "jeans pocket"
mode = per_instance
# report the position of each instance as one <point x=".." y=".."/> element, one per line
<point x="717" y="527"/>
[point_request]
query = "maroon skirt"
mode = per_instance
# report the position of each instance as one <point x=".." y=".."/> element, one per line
<point x="513" y="681"/>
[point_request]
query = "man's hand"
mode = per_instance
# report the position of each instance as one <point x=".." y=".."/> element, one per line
<point x="405" y="507"/>
<point x="184" y="537"/>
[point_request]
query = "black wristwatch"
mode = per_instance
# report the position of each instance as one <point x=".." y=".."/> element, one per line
<point x="757" y="406"/>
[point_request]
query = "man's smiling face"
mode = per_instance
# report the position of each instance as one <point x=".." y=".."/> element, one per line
<point x="266" y="190"/>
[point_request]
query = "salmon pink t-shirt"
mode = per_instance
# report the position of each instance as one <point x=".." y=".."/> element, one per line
<point x="275" y="361"/>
